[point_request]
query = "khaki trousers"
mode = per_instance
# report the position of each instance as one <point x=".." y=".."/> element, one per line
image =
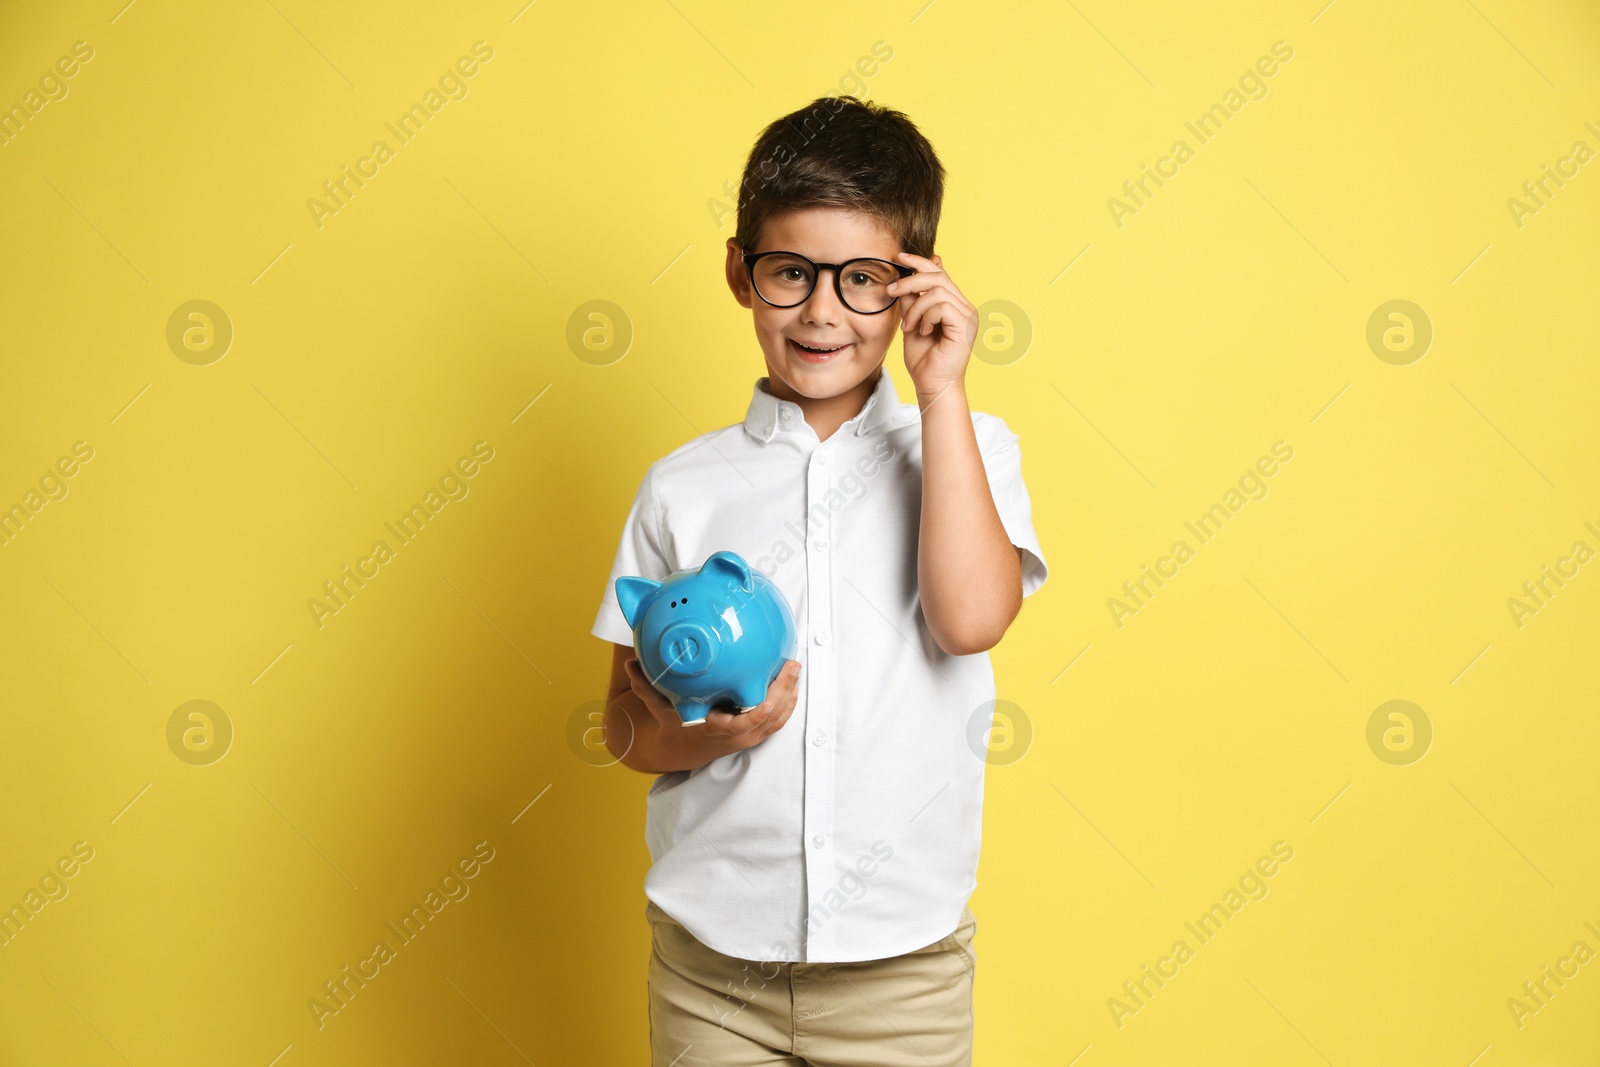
<point x="711" y="1010"/>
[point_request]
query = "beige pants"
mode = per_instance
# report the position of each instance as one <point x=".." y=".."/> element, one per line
<point x="711" y="1010"/>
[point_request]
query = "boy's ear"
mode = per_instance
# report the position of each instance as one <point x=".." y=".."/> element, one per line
<point x="631" y="593"/>
<point x="738" y="277"/>
<point x="732" y="565"/>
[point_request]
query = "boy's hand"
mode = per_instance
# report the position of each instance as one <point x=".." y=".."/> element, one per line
<point x="723" y="731"/>
<point x="940" y="326"/>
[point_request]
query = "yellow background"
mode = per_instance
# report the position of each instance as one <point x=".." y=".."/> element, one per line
<point x="431" y="312"/>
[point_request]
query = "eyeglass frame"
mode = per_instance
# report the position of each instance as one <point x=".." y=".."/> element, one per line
<point x="817" y="269"/>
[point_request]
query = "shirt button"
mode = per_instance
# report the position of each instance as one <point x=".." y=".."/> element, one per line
<point x="822" y="637"/>
<point x="820" y="546"/>
<point x="788" y="414"/>
<point x="817" y="841"/>
<point x="821" y="737"/>
<point x="769" y="427"/>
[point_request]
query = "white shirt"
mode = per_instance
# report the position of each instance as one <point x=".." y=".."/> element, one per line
<point x="852" y="832"/>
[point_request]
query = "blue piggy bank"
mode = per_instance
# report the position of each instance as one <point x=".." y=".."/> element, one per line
<point x="708" y="636"/>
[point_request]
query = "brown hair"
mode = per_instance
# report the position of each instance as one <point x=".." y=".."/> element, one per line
<point x="841" y="152"/>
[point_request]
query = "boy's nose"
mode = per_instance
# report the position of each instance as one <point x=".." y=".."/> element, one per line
<point x="823" y="303"/>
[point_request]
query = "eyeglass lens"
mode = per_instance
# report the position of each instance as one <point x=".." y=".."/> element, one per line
<point x="787" y="280"/>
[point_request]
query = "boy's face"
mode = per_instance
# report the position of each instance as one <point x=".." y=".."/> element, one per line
<point x="823" y="235"/>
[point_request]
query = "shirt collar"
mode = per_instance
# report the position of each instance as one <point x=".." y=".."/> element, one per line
<point x="768" y="414"/>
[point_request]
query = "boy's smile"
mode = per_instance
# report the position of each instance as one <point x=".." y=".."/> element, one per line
<point x="820" y="354"/>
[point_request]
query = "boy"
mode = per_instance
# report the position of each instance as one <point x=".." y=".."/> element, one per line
<point x="809" y="880"/>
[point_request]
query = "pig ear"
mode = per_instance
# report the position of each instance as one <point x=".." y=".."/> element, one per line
<point x="631" y="592"/>
<point x="733" y="566"/>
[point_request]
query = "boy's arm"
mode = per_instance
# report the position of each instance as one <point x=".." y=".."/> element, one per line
<point x="969" y="575"/>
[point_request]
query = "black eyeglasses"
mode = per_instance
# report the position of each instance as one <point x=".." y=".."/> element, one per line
<point x="786" y="280"/>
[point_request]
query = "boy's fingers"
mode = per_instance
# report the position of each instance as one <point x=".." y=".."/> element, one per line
<point x="913" y="260"/>
<point x="736" y="722"/>
<point x="918" y="298"/>
<point x="720" y="721"/>
<point x="751" y="725"/>
<point x="787" y="689"/>
<point x="762" y="726"/>
<point x="780" y="700"/>
<point x="914" y="284"/>
<point x="761" y="720"/>
<point x="724" y="728"/>
<point x="926" y="303"/>
<point x="778" y="716"/>
<point x="914" y="315"/>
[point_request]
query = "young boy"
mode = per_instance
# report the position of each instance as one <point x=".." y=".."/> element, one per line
<point x="809" y="879"/>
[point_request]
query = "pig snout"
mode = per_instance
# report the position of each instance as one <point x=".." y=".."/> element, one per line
<point x="688" y="648"/>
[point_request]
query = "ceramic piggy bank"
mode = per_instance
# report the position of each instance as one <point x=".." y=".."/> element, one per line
<point x="721" y="633"/>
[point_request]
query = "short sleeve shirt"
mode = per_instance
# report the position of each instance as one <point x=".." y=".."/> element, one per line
<point x="851" y="833"/>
